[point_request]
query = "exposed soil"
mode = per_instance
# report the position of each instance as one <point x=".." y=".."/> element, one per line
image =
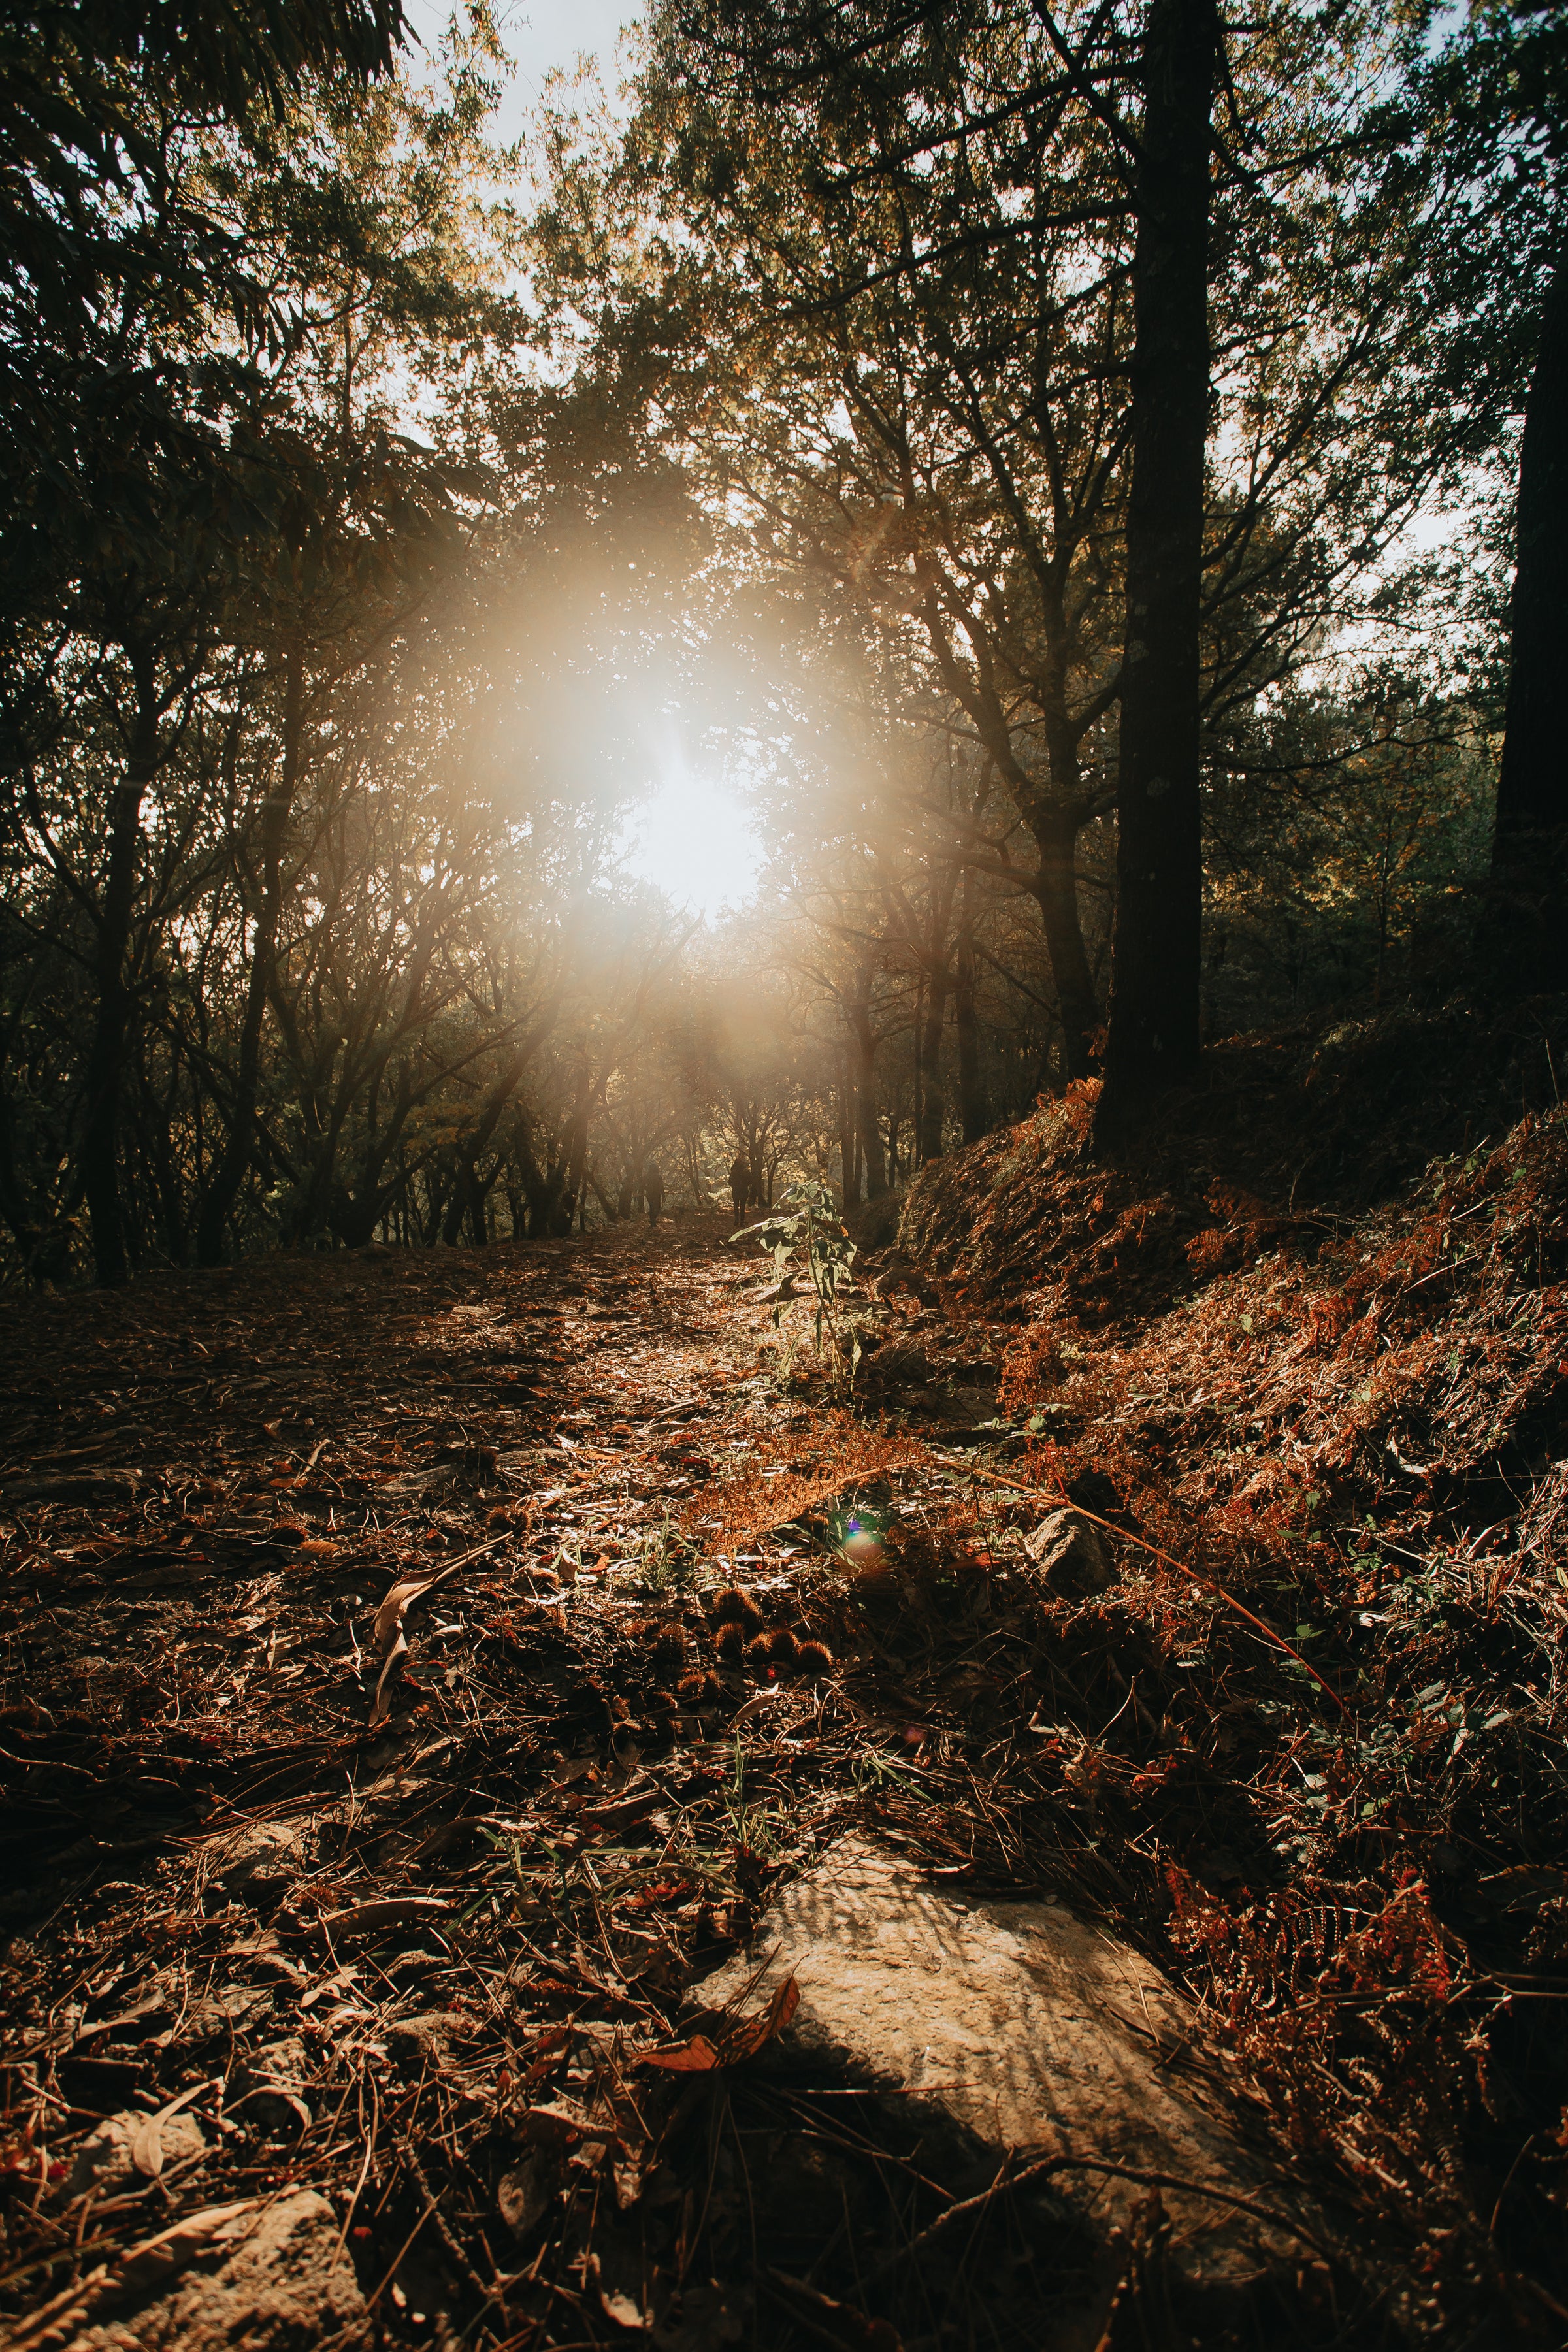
<point x="414" y="1931"/>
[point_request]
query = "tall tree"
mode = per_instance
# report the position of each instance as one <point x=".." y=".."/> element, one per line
<point x="1530" y="853"/>
<point x="1154" y="1029"/>
<point x="1502" y="98"/>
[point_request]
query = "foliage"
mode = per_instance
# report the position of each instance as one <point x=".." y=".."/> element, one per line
<point x="807" y="1235"/>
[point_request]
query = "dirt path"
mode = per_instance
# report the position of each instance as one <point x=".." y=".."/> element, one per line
<point x="345" y="1979"/>
<point x="349" y="1946"/>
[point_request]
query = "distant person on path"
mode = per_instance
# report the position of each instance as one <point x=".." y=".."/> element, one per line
<point x="740" y="1187"/>
<point x="653" y="1190"/>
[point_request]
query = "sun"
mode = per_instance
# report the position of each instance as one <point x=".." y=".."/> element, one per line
<point x="694" y="840"/>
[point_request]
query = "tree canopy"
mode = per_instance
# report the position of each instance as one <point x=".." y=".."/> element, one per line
<point x="1060" y="474"/>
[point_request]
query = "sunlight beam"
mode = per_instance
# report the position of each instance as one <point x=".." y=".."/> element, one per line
<point x="693" y="840"/>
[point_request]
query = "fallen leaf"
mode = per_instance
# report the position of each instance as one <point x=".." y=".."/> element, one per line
<point x="523" y="2194"/>
<point x="390" y="1639"/>
<point x="339" y="1982"/>
<point x="147" y="2140"/>
<point x="748" y="2036"/>
<point x="697" y="2057"/>
<point x="391" y="1911"/>
<point x="389" y="1635"/>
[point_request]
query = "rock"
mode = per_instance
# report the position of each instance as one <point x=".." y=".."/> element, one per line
<point x="279" y="2287"/>
<point x="1091" y="1490"/>
<point x="255" y="2277"/>
<point x="262" y="1863"/>
<point x="269" y="2090"/>
<point x="431" y="2037"/>
<point x="104" y="2161"/>
<point x="99" y="2085"/>
<point x="1012" y="2025"/>
<point x="523" y="2194"/>
<point x="978" y="1403"/>
<point x="218" y="2015"/>
<point x="1072" y="1552"/>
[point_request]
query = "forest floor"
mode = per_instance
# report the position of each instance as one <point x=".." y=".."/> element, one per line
<point x="388" y="1932"/>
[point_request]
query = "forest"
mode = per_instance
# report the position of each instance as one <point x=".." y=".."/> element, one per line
<point x="968" y="1375"/>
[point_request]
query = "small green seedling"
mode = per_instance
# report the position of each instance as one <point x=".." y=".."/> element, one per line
<point x="804" y="1233"/>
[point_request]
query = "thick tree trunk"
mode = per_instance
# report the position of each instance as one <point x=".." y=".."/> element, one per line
<point x="872" y="1162"/>
<point x="101" y="1140"/>
<point x="542" y="1187"/>
<point x="223" y="1186"/>
<point x="1529" y="849"/>
<point x="1156" y="971"/>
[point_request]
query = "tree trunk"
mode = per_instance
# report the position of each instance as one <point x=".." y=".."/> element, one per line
<point x="919" y="1042"/>
<point x="1056" y="889"/>
<point x="1530" y="847"/>
<point x="223" y="1186"/>
<point x="966" y="1020"/>
<point x="865" y="1050"/>
<point x="1156" y="971"/>
<point x="542" y="1187"/>
<point x="933" y="1099"/>
<point x="850" y="1186"/>
<point x="476" y="1142"/>
<point x="576" y="1153"/>
<point x="100" y="1140"/>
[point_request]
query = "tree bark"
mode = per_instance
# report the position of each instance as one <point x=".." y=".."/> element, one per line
<point x="966" y="1020"/>
<point x="1529" y="846"/>
<point x="932" y="1114"/>
<point x="1056" y="889"/>
<point x="223" y="1186"/>
<point x="469" y="1191"/>
<point x="100" y="1140"/>
<point x="542" y="1187"/>
<point x="850" y="1186"/>
<point x="576" y="1150"/>
<point x="1153" y="1030"/>
<point x="858" y="1009"/>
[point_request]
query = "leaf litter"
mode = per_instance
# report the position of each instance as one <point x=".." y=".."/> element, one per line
<point x="380" y="1773"/>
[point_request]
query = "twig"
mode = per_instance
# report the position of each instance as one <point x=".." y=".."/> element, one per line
<point x="1044" y="2167"/>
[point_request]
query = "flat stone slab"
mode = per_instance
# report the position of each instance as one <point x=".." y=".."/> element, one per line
<point x="1024" y="2028"/>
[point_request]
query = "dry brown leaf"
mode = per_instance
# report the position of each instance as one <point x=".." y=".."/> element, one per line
<point x="391" y="1911"/>
<point x="746" y="2037"/>
<point x="147" y="2140"/>
<point x="390" y="1638"/>
<point x="697" y="2057"/>
<point x="617" y="2304"/>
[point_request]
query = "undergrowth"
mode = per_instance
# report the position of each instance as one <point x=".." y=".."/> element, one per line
<point x="1311" y="1745"/>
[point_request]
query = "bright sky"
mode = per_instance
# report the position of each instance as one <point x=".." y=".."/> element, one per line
<point x="694" y="841"/>
<point x="541" y="36"/>
<point x="690" y="839"/>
